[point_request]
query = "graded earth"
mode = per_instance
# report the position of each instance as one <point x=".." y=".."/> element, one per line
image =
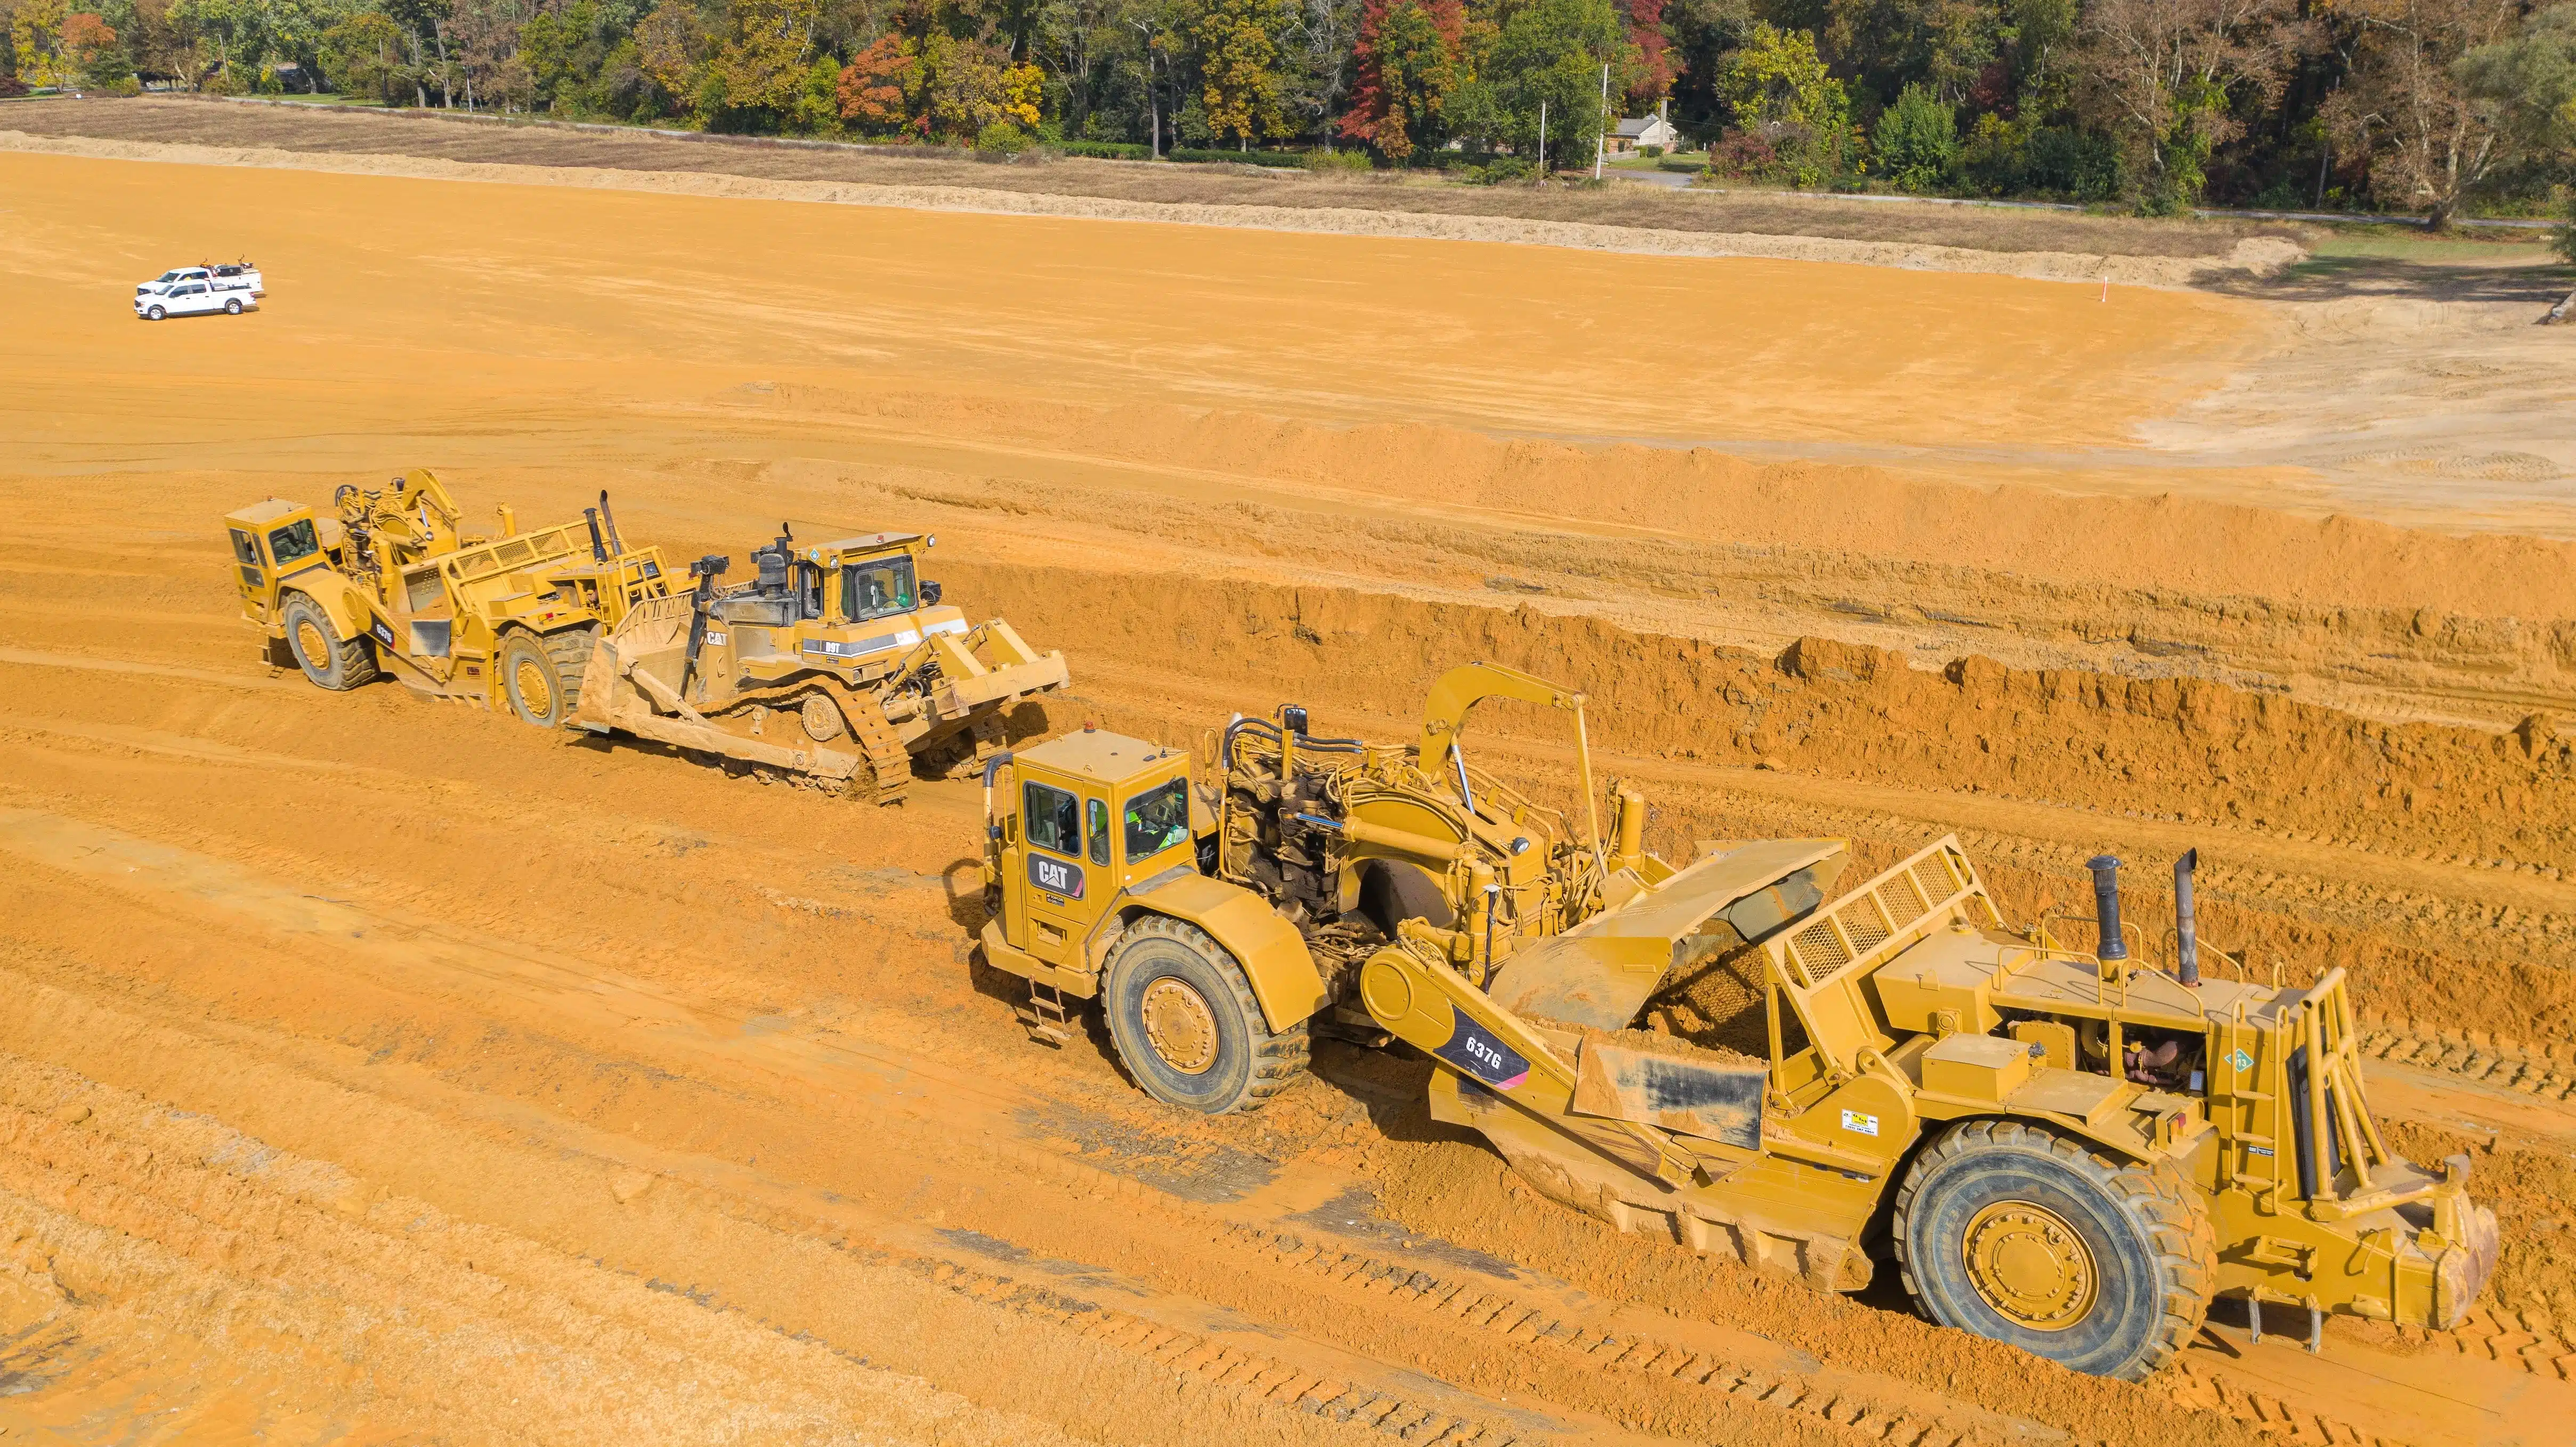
<point x="378" y="1069"/>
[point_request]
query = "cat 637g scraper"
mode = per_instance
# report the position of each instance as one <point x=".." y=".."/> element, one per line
<point x="391" y="585"/>
<point x="835" y="666"/>
<point x="2058" y="1149"/>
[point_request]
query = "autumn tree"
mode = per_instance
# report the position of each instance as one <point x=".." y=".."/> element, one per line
<point x="758" y="72"/>
<point x="36" y="35"/>
<point x="1778" y="90"/>
<point x="2164" y="76"/>
<point x="1238" y="69"/>
<point x="1407" y="60"/>
<point x="2429" y="140"/>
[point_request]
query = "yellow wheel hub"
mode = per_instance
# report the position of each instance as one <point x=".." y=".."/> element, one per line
<point x="310" y="642"/>
<point x="536" y="690"/>
<point x="2030" y="1266"/>
<point x="1180" y="1026"/>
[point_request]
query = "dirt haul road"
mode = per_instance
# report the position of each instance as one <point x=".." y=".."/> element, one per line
<point x="378" y="1070"/>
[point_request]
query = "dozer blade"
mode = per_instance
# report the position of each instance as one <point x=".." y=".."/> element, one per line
<point x="1602" y="972"/>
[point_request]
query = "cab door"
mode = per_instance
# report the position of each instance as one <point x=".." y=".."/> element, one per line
<point x="1064" y="879"/>
<point x="251" y="573"/>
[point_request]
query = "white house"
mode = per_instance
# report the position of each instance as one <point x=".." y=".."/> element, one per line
<point x="1653" y="130"/>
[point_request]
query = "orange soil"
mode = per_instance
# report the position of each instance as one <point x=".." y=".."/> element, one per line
<point x="383" y="1070"/>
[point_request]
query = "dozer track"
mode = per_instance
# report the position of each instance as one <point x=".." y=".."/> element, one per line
<point x="888" y="773"/>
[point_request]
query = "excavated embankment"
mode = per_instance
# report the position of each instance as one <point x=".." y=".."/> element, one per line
<point x="2427" y="860"/>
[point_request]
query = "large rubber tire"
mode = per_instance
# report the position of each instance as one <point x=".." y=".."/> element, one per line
<point x="233" y="307"/>
<point x="331" y="661"/>
<point x="156" y="313"/>
<point x="541" y="677"/>
<point x="2033" y="1199"/>
<point x="1246" y="1063"/>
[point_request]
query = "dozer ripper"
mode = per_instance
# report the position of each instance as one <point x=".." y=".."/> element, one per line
<point x="389" y="583"/>
<point x="836" y="666"/>
<point x="2064" y="1150"/>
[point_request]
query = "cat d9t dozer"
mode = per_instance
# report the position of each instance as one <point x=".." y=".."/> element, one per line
<point x="836" y="666"/>
<point x="2056" y="1149"/>
<point x="391" y="584"/>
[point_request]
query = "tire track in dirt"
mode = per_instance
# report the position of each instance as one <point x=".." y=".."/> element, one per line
<point x="1510" y="1319"/>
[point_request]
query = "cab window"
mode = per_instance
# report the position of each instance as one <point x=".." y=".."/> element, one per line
<point x="1054" y="819"/>
<point x="245" y="549"/>
<point x="1099" y="832"/>
<point x="1158" y="819"/>
<point x="874" y="590"/>
<point x="293" y="543"/>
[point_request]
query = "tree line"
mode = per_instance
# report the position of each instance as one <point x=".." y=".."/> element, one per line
<point x="2424" y="106"/>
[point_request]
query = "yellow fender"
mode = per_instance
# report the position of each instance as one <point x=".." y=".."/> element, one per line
<point x="349" y="610"/>
<point x="1274" y="957"/>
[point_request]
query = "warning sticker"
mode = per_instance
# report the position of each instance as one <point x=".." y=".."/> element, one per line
<point x="2242" y="1061"/>
<point x="1860" y="1123"/>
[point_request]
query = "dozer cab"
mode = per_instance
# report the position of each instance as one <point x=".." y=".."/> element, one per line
<point x="835" y="666"/>
<point x="2063" y="1150"/>
<point x="389" y="583"/>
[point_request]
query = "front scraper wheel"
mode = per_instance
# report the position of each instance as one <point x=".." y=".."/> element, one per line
<point x="331" y="661"/>
<point x="542" y="676"/>
<point x="1187" y="1026"/>
<point x="2031" y="1238"/>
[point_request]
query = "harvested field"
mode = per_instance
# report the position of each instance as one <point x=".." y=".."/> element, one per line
<point x="378" y="1070"/>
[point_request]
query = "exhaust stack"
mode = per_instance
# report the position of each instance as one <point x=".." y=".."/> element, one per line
<point x="615" y="543"/>
<point x="598" y="549"/>
<point x="2186" y="925"/>
<point x="2106" y="908"/>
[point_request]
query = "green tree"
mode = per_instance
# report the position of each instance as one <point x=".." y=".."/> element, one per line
<point x="1917" y="140"/>
<point x="1239" y="80"/>
<point x="2528" y="84"/>
<point x="363" y="56"/>
<point x="1778" y="88"/>
<point x="1549" y="53"/>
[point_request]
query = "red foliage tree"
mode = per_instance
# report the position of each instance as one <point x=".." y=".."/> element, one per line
<point x="872" y="86"/>
<point x="1657" y="66"/>
<point x="1406" y="61"/>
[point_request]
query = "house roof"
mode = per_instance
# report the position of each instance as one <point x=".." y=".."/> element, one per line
<point x="1640" y="126"/>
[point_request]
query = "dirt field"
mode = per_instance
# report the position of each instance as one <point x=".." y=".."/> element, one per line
<point x="376" y="1070"/>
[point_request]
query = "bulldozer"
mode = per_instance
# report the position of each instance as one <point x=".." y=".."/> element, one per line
<point x="2065" y="1150"/>
<point x="388" y="582"/>
<point x="836" y="666"/>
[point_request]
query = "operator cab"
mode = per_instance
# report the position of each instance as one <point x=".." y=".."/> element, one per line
<point x="273" y="541"/>
<point x="1096" y="815"/>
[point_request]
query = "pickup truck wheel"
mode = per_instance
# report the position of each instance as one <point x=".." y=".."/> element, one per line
<point x="1187" y="1026"/>
<point x="155" y="312"/>
<point x="332" y="662"/>
<point x="2032" y="1238"/>
<point x="233" y="306"/>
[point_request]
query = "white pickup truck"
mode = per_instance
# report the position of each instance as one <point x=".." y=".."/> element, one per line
<point x="233" y="287"/>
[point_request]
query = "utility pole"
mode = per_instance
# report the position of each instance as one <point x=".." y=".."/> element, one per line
<point x="1542" y="140"/>
<point x="1601" y="143"/>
